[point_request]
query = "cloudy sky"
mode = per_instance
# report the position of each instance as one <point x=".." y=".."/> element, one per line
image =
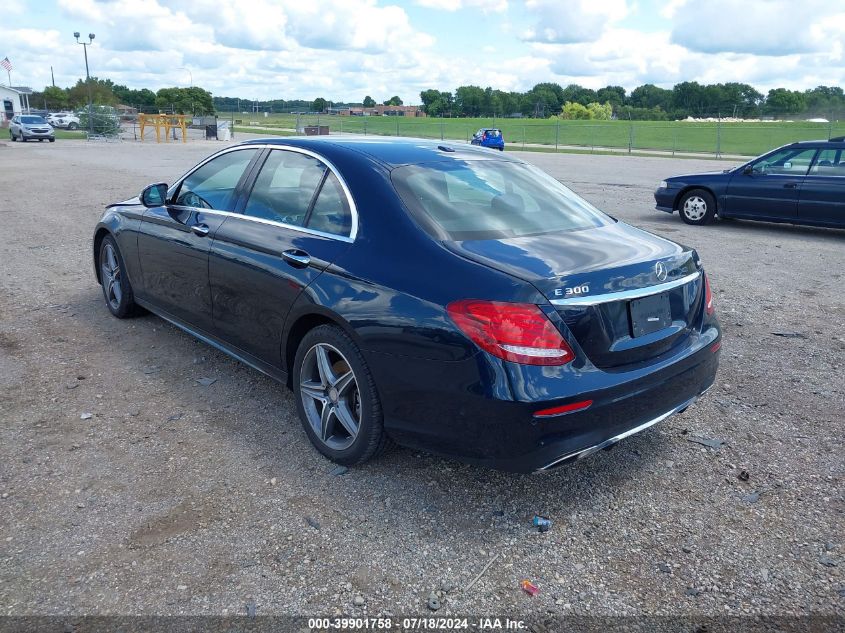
<point x="344" y="50"/>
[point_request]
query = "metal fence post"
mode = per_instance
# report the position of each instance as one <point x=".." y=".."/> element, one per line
<point x="630" y="134"/>
<point x="341" y="125"/>
<point x="397" y="126"/>
<point x="365" y="126"/>
<point x="557" y="133"/>
<point x="719" y="136"/>
<point x="523" y="137"/>
<point x="441" y="129"/>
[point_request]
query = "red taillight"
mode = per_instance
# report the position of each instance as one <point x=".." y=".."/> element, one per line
<point x="561" y="410"/>
<point x="518" y="332"/>
<point x="709" y="308"/>
<point x="484" y="137"/>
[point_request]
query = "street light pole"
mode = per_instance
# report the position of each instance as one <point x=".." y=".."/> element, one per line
<point x="87" y="79"/>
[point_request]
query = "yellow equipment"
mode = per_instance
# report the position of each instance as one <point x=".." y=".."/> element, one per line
<point x="165" y="121"/>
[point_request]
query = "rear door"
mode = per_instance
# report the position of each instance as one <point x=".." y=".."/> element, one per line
<point x="297" y="219"/>
<point x="822" y="197"/>
<point x="770" y="189"/>
<point x="175" y="239"/>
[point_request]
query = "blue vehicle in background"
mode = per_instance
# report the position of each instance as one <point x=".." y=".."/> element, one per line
<point x="489" y="137"/>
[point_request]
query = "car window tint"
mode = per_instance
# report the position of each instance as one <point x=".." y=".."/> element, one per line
<point x="492" y="199"/>
<point x="789" y="162"/>
<point x="830" y="162"/>
<point x="285" y="187"/>
<point x="331" y="213"/>
<point x="212" y="186"/>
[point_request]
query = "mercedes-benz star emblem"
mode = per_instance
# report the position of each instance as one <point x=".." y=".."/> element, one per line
<point x="660" y="271"/>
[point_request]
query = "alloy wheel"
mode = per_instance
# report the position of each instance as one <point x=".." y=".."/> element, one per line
<point x="330" y="397"/>
<point x="695" y="208"/>
<point x="110" y="275"/>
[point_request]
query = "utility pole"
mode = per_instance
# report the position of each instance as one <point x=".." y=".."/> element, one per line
<point x="52" y="77"/>
<point x="85" y="46"/>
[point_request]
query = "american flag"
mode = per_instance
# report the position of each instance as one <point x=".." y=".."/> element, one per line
<point x="5" y="63"/>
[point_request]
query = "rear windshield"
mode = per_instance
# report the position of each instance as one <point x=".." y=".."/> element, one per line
<point x="485" y="199"/>
<point x="32" y="119"/>
<point x="493" y="133"/>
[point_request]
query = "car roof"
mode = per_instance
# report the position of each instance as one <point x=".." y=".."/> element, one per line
<point x="836" y="141"/>
<point x="391" y="151"/>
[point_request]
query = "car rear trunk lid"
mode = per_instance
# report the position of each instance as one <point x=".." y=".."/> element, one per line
<point x="626" y="295"/>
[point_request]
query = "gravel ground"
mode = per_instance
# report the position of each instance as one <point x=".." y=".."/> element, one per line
<point x="130" y="488"/>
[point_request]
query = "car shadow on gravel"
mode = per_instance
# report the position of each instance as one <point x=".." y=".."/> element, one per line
<point x="150" y="351"/>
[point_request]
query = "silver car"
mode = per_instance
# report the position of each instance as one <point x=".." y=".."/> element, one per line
<point x="28" y="126"/>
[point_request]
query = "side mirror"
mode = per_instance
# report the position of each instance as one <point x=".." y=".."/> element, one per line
<point x="748" y="170"/>
<point x="154" y="195"/>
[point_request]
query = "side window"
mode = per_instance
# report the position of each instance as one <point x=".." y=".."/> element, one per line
<point x="830" y="162"/>
<point x="285" y="187"/>
<point x="331" y="213"/>
<point x="212" y="186"/>
<point x="786" y="162"/>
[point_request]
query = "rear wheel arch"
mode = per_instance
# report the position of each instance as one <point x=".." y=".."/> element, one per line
<point x="303" y="324"/>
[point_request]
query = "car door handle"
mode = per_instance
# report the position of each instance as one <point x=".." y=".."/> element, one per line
<point x="297" y="258"/>
<point x="790" y="185"/>
<point x="200" y="229"/>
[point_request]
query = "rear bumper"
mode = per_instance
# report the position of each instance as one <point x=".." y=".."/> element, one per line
<point x="479" y="414"/>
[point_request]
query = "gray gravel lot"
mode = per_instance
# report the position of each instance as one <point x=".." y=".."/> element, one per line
<point x="179" y="498"/>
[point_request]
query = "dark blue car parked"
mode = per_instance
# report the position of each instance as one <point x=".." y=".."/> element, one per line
<point x="800" y="183"/>
<point x="444" y="297"/>
<point x="489" y="137"/>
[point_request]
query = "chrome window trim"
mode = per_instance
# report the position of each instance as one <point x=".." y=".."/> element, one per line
<point x="625" y="295"/>
<point x="293" y="227"/>
<point x="260" y="146"/>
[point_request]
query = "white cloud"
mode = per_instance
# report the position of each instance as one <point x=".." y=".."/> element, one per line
<point x="487" y="6"/>
<point x="772" y="28"/>
<point x="570" y="22"/>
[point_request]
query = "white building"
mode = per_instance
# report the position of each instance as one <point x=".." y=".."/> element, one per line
<point x="13" y="101"/>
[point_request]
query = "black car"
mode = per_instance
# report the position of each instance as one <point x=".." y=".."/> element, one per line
<point x="800" y="183"/>
<point x="444" y="297"/>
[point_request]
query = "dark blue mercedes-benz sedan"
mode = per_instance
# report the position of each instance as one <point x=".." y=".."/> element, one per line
<point x="799" y="183"/>
<point x="443" y="297"/>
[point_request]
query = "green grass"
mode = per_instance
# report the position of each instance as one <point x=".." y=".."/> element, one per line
<point x="748" y="139"/>
<point x="70" y="134"/>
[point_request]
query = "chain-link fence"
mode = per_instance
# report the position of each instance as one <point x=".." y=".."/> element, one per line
<point x="717" y="138"/>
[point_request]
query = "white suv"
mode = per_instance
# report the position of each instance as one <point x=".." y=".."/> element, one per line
<point x="67" y="120"/>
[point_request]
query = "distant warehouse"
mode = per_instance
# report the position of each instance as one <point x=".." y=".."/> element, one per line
<point x="380" y="110"/>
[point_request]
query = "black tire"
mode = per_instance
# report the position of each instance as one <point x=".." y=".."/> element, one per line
<point x="52" y="140"/>
<point x="697" y="207"/>
<point x="12" y="136"/>
<point x="72" y="126"/>
<point x="501" y="149"/>
<point x="119" y="300"/>
<point x="22" y="138"/>
<point x="370" y="439"/>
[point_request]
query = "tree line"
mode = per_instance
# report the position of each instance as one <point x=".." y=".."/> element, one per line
<point x="193" y="100"/>
<point x="648" y="101"/>
<point x="544" y="100"/>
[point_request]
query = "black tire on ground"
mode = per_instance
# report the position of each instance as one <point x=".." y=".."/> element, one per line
<point x="697" y="207"/>
<point x="52" y="139"/>
<point x="370" y="439"/>
<point x="22" y="138"/>
<point x="501" y="149"/>
<point x="117" y="291"/>
<point x="12" y="136"/>
<point x="72" y="126"/>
